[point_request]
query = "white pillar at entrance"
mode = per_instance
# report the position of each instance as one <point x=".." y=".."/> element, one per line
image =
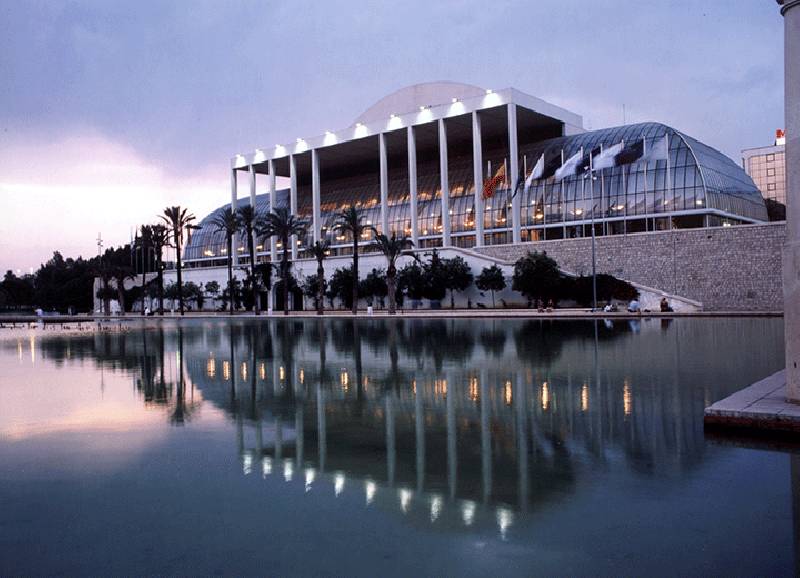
<point x="252" y="173"/>
<point x="513" y="168"/>
<point x="791" y="252"/>
<point x="445" y="183"/>
<point x="234" y="195"/>
<point x="384" y="184"/>
<point x="271" y="206"/>
<point x="477" y="175"/>
<point x="412" y="183"/>
<point x="293" y="199"/>
<point x="315" y="195"/>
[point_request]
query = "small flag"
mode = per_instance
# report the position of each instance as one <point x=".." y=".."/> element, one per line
<point x="630" y="154"/>
<point x="656" y="152"/>
<point x="490" y="185"/>
<point x="552" y="162"/>
<point x="607" y="157"/>
<point x="570" y="166"/>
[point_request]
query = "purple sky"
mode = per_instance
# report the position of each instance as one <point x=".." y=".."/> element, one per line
<point x="109" y="111"/>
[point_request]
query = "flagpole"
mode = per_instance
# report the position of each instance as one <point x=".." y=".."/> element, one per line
<point x="669" y="176"/>
<point x="594" y="253"/>
<point x="646" y="211"/>
<point x="625" y="197"/>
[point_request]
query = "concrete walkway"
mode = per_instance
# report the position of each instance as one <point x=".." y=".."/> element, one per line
<point x="761" y="406"/>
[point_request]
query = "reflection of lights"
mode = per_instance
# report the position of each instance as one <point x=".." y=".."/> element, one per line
<point x="369" y="489"/>
<point x="405" y="499"/>
<point x="627" y="399"/>
<point x="302" y="375"/>
<point x="262" y="370"/>
<point x="505" y="518"/>
<point x="584" y="397"/>
<point x="288" y="470"/>
<point x="247" y="464"/>
<point x="508" y="393"/>
<point x="473" y="388"/>
<point x="413" y="387"/>
<point x="226" y="370"/>
<point x="436" y="507"/>
<point x="211" y="368"/>
<point x="244" y="370"/>
<point x="281" y="373"/>
<point x="440" y="387"/>
<point x="545" y="396"/>
<point x="266" y="466"/>
<point x="310" y="475"/>
<point x="468" y="512"/>
<point x="338" y="483"/>
<point x="344" y="379"/>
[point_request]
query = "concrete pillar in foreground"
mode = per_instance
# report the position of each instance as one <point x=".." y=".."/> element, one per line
<point x="384" y="184"/>
<point x="234" y="196"/>
<point x="445" y="183"/>
<point x="412" y="183"/>
<point x="293" y="200"/>
<point x="477" y="175"/>
<point x="252" y="174"/>
<point x="791" y="253"/>
<point x="315" y="196"/>
<point x="513" y="168"/>
<point x="271" y="183"/>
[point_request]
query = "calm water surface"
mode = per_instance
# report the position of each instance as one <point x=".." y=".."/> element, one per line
<point x="435" y="447"/>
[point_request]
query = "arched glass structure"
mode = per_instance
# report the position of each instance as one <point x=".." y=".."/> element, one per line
<point x="697" y="187"/>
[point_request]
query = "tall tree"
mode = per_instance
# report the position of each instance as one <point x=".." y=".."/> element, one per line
<point x="160" y="239"/>
<point x="282" y="224"/>
<point x="350" y="222"/>
<point x="320" y="250"/>
<point x="458" y="276"/>
<point x="491" y="279"/>
<point x="228" y="222"/>
<point x="179" y="219"/>
<point x="392" y="248"/>
<point x="248" y="221"/>
<point x="144" y="243"/>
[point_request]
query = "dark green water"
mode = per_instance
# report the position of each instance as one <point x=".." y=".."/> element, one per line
<point x="424" y="447"/>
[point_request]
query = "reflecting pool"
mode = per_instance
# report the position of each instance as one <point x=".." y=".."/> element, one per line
<point x="389" y="447"/>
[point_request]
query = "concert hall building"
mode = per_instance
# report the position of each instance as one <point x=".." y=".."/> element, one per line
<point x="412" y="161"/>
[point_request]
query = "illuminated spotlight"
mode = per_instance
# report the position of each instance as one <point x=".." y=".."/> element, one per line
<point x="359" y="124"/>
<point x="277" y="146"/>
<point x="259" y="152"/>
<point x="328" y="133"/>
<point x="299" y="140"/>
<point x="424" y="107"/>
<point x="393" y="115"/>
<point x="698" y="202"/>
<point x="454" y="100"/>
<point x="489" y="91"/>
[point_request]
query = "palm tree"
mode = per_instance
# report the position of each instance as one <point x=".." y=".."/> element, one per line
<point x="392" y="248"/>
<point x="228" y="222"/>
<point x="320" y="251"/>
<point x="160" y="239"/>
<point x="121" y="273"/>
<point x="179" y="219"/>
<point x="282" y="224"/>
<point x="349" y="221"/>
<point x="249" y="221"/>
<point x="144" y="243"/>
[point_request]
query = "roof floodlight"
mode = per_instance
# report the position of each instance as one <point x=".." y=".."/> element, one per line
<point x="393" y="115"/>
<point x="299" y="140"/>
<point x="359" y="124"/>
<point x="489" y="91"/>
<point x="455" y="100"/>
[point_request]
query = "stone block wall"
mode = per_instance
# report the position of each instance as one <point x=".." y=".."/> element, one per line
<point x="725" y="268"/>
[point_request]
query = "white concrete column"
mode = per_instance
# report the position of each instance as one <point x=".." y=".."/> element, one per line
<point x="293" y="199"/>
<point x="234" y="196"/>
<point x="412" y="183"/>
<point x="315" y="196"/>
<point x="513" y="168"/>
<point x="271" y="184"/>
<point x="445" y="183"/>
<point x="477" y="175"/>
<point x="384" y="184"/>
<point x="791" y="252"/>
<point x="252" y="174"/>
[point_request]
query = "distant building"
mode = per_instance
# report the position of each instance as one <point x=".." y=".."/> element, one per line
<point x="767" y="167"/>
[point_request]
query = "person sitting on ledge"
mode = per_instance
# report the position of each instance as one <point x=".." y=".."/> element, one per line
<point x="634" y="306"/>
<point x="665" y="307"/>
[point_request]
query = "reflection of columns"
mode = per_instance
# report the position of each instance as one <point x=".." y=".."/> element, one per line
<point x="259" y="439"/>
<point x="315" y="196"/>
<point x="419" y="425"/>
<point x="794" y="472"/>
<point x="513" y="166"/>
<point x="278" y="439"/>
<point x="234" y="195"/>
<point x="412" y="183"/>
<point x="299" y="434"/>
<point x="477" y="175"/>
<point x="445" y="183"/>
<point x="391" y="456"/>
<point x="239" y="434"/>
<point x="486" y="440"/>
<point x="293" y="199"/>
<point x="322" y="442"/>
<point x="384" y="170"/>
<point x="520" y="403"/>
<point x="452" y="455"/>
<point x="791" y="252"/>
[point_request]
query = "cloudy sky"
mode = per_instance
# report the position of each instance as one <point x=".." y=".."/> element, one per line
<point x="111" y="110"/>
